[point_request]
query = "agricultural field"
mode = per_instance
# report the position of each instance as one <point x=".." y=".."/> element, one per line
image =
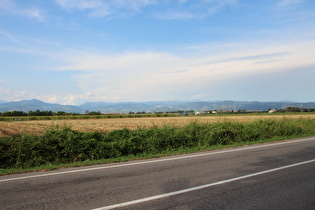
<point x="110" y="124"/>
<point x="51" y="143"/>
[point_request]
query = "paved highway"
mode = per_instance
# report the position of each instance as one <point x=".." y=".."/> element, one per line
<point x="266" y="176"/>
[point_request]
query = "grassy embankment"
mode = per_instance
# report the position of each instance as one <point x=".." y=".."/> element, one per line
<point x="63" y="146"/>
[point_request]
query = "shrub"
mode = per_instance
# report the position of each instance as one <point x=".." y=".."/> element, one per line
<point x="64" y="145"/>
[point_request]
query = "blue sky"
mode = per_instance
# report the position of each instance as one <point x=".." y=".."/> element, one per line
<point x="73" y="51"/>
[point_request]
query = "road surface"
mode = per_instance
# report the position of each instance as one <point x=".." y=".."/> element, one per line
<point x="265" y="176"/>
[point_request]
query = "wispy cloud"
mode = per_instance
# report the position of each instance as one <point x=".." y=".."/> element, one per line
<point x="181" y="9"/>
<point x="4" y="35"/>
<point x="288" y="3"/>
<point x="80" y="4"/>
<point x="285" y="5"/>
<point x="102" y="8"/>
<point x="195" y="10"/>
<point x="10" y="7"/>
<point x="35" y="13"/>
<point x="21" y="44"/>
<point x="134" y="5"/>
<point x="6" y="4"/>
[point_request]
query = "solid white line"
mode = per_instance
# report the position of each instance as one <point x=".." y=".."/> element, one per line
<point x="199" y="187"/>
<point x="159" y="160"/>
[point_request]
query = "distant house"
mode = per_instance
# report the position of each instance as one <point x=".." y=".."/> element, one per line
<point x="197" y="113"/>
<point x="201" y="112"/>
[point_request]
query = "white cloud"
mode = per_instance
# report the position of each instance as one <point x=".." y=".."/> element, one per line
<point x="7" y="94"/>
<point x="191" y="72"/>
<point x="154" y="75"/>
<point x="12" y="95"/>
<point x="71" y="99"/>
<point x="74" y="99"/>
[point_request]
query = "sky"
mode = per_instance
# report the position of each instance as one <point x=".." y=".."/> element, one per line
<point x="74" y="51"/>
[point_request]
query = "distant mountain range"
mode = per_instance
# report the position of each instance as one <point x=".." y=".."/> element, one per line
<point x="34" y="104"/>
<point x="155" y="106"/>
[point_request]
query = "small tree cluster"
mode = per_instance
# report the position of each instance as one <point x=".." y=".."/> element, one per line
<point x="33" y="113"/>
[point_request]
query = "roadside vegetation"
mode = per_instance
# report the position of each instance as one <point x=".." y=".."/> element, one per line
<point x="60" y="145"/>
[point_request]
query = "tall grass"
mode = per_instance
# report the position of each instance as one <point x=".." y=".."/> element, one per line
<point x="63" y="145"/>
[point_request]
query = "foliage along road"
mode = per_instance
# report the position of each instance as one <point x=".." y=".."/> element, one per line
<point x="266" y="176"/>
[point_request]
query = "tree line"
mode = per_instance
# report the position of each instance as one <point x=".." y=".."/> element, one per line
<point x="63" y="113"/>
<point x="34" y="113"/>
<point x="296" y="109"/>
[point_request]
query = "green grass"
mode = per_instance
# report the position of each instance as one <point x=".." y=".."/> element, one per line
<point x="64" y="147"/>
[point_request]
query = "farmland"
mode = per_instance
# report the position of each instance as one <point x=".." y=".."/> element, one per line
<point x="110" y="124"/>
<point x="43" y="143"/>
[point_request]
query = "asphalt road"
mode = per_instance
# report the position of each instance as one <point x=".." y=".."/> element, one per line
<point x="267" y="176"/>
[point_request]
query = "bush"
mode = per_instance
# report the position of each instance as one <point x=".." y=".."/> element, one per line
<point x="64" y="145"/>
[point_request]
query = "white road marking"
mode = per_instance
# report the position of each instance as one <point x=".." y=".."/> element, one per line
<point x="199" y="187"/>
<point x="159" y="160"/>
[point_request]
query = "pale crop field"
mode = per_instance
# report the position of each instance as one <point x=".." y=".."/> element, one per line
<point x="110" y="124"/>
